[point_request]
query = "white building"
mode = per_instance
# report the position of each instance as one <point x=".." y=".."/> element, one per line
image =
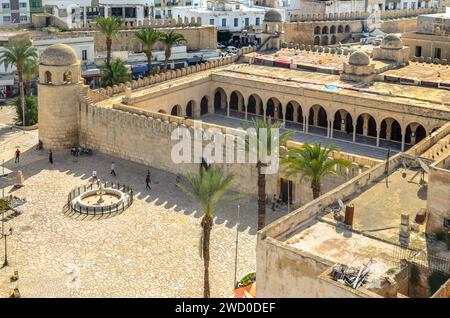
<point x="233" y="16"/>
<point x="14" y="12"/>
<point x="78" y="12"/>
<point x="83" y="46"/>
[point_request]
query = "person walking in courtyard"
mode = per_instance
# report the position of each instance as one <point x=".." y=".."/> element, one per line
<point x="274" y="201"/>
<point x="17" y="156"/>
<point x="50" y="156"/>
<point x="113" y="169"/>
<point x="94" y="176"/>
<point x="147" y="180"/>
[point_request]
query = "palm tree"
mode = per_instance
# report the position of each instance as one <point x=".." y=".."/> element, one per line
<point x="263" y="142"/>
<point x="4" y="205"/>
<point x="314" y="162"/>
<point x="109" y="26"/>
<point x="30" y="71"/>
<point x="115" y="73"/>
<point x="148" y="37"/>
<point x="18" y="54"/>
<point x="208" y="188"/>
<point x="170" y="39"/>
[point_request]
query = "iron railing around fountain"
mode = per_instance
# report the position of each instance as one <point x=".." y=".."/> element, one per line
<point x="100" y="210"/>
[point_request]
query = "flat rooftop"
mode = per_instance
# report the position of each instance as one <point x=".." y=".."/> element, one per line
<point x="303" y="58"/>
<point x="339" y="245"/>
<point x="423" y="71"/>
<point x="378" y="207"/>
<point x="391" y="92"/>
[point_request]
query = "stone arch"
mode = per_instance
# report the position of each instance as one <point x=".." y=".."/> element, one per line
<point x="236" y="101"/>
<point x="190" y="108"/>
<point x="414" y="133"/>
<point x="340" y="29"/>
<point x="317" y="30"/>
<point x="299" y="118"/>
<point x="220" y="99"/>
<point x="325" y="30"/>
<point x="343" y="121"/>
<point x="67" y="77"/>
<point x="317" y="40"/>
<point x="273" y="107"/>
<point x="292" y="109"/>
<point x="347" y="29"/>
<point x="254" y="104"/>
<point x="318" y="116"/>
<point x="176" y="110"/>
<point x="48" y="77"/>
<point x="204" y="105"/>
<point x="324" y="40"/>
<point x="333" y="39"/>
<point x="390" y="129"/>
<point x="333" y="29"/>
<point x="369" y="128"/>
<point x="289" y="112"/>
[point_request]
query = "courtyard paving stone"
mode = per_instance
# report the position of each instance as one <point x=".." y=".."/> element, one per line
<point x="149" y="250"/>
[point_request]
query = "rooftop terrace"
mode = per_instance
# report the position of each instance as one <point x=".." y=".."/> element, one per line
<point x="391" y="92"/>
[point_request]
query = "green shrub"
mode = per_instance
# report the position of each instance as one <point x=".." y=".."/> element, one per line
<point x="31" y="111"/>
<point x="154" y="70"/>
<point x="114" y="74"/>
<point x="248" y="279"/>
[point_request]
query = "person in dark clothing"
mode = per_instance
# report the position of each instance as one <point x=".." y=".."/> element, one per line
<point x="274" y="201"/>
<point x="17" y="156"/>
<point x="148" y="181"/>
<point x="113" y="169"/>
<point x="50" y="156"/>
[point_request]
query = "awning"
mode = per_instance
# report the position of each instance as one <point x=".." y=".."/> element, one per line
<point x="90" y="72"/>
<point x="6" y="80"/>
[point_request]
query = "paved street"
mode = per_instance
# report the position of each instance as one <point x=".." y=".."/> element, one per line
<point x="365" y="146"/>
<point x="150" y="250"/>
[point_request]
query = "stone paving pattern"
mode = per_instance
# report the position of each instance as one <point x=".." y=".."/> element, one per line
<point x="150" y="250"/>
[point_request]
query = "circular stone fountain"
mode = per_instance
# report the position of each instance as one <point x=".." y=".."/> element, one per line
<point x="100" y="199"/>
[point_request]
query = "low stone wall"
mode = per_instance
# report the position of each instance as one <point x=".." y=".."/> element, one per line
<point x="289" y="222"/>
<point x="399" y="25"/>
<point x="39" y="20"/>
<point x="145" y="138"/>
<point x="104" y="93"/>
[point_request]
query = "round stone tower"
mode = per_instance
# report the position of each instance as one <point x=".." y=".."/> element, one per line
<point x="58" y="94"/>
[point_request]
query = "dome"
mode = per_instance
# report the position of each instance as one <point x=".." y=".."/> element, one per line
<point x="58" y="55"/>
<point x="272" y="15"/>
<point x="391" y="41"/>
<point x="359" y="58"/>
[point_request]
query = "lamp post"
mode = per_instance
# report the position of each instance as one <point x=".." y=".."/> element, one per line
<point x="236" y="252"/>
<point x="4" y="235"/>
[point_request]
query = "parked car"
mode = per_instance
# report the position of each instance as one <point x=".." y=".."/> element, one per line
<point x="220" y="46"/>
<point x="232" y="49"/>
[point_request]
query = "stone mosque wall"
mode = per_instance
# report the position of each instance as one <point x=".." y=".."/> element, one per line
<point x="145" y="137"/>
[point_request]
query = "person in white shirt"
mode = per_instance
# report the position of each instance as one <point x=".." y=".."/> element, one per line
<point x="94" y="175"/>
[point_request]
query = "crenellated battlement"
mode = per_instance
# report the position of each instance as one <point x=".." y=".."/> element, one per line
<point x="104" y="93"/>
<point x="156" y="23"/>
<point x="389" y="14"/>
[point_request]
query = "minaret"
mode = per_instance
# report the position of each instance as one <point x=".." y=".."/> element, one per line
<point x="58" y="97"/>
